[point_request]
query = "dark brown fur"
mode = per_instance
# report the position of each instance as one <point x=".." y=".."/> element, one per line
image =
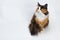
<point x="34" y="27"/>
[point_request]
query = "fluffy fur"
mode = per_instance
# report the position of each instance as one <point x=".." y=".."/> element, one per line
<point x="39" y="20"/>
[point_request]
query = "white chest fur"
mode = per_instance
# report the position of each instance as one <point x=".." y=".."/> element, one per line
<point x="40" y="16"/>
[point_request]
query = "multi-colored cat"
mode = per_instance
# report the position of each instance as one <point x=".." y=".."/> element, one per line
<point x="39" y="20"/>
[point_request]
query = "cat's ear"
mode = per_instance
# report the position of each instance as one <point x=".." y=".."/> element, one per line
<point x="39" y="4"/>
<point x="46" y="5"/>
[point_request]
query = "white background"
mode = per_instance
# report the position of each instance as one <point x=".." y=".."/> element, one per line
<point x="15" y="16"/>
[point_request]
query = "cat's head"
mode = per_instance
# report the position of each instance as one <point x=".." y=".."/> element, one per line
<point x="43" y="8"/>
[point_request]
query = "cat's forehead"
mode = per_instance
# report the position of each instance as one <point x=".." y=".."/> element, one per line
<point x="42" y="6"/>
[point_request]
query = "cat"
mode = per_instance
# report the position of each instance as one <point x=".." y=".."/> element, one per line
<point x="40" y="19"/>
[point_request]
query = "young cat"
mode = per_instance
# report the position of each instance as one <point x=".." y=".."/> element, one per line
<point x="39" y="20"/>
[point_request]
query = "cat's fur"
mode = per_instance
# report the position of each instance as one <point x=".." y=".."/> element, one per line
<point x="34" y="26"/>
